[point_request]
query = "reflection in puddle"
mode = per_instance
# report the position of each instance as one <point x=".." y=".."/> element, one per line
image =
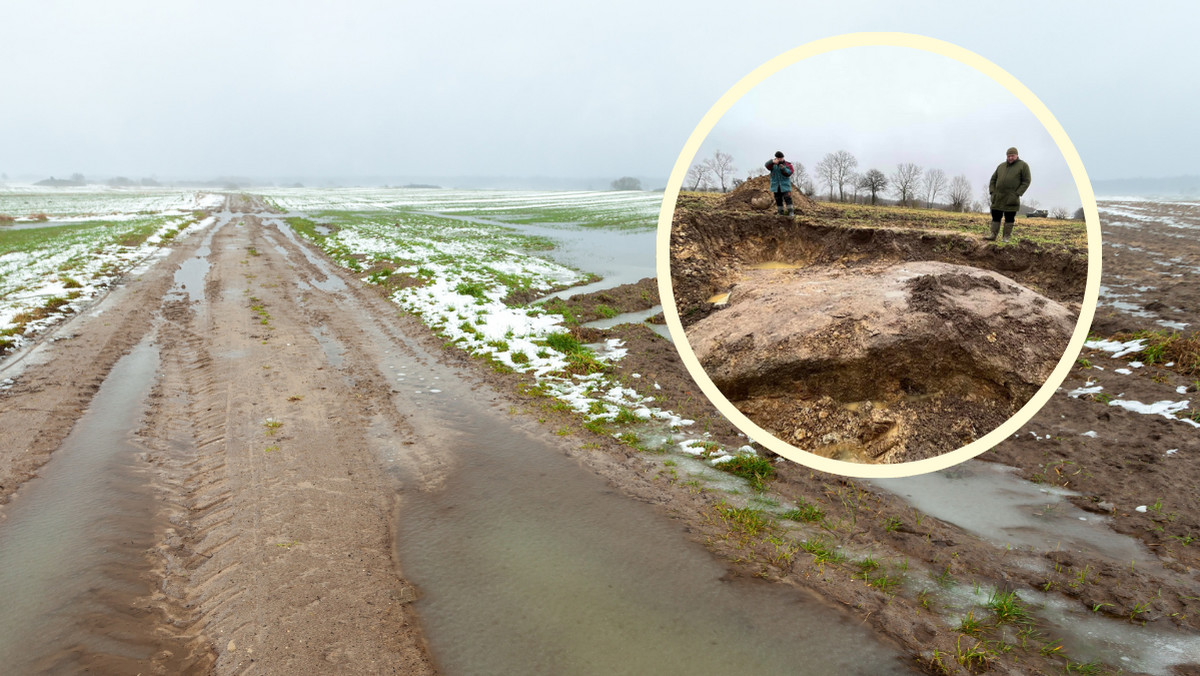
<point x="991" y="501"/>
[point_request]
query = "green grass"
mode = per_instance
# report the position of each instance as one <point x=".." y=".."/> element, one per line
<point x="822" y="551"/>
<point x="1007" y="607"/>
<point x="579" y="358"/>
<point x="758" y="471"/>
<point x="806" y="512"/>
<point x="746" y="520"/>
<point x="606" y="311"/>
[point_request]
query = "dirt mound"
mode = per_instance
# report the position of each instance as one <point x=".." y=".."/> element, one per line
<point x="755" y="195"/>
<point x="881" y="363"/>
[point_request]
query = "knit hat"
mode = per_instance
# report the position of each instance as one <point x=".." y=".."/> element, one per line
<point x="1011" y="151"/>
<point x="778" y="153"/>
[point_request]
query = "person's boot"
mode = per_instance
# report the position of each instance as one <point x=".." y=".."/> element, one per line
<point x="779" y="209"/>
<point x="1007" y="230"/>
<point x="995" y="231"/>
<point x="791" y="211"/>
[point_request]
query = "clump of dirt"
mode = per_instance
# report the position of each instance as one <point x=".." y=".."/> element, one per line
<point x="755" y="195"/>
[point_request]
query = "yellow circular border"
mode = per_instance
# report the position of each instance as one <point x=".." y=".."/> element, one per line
<point x="1091" y="217"/>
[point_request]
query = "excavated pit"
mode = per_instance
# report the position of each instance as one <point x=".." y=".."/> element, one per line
<point x="869" y="344"/>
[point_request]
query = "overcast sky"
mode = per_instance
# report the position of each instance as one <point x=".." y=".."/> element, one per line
<point x="914" y="106"/>
<point x="387" y="88"/>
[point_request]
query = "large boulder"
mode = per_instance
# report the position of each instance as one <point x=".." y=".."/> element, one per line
<point x="887" y="362"/>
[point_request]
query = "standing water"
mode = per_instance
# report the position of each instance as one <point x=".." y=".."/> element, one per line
<point x="530" y="564"/>
<point x="73" y="540"/>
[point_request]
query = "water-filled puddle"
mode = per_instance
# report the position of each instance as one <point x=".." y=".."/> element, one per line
<point x="189" y="278"/>
<point x="73" y="539"/>
<point x="332" y="283"/>
<point x="335" y="352"/>
<point x="529" y="564"/>
<point x="991" y="501"/>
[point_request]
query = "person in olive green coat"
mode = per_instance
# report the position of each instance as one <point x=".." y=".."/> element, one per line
<point x="1009" y="182"/>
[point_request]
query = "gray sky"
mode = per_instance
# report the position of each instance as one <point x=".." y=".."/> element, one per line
<point x="915" y="106"/>
<point x="380" y="87"/>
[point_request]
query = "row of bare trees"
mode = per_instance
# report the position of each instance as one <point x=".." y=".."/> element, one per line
<point x="910" y="184"/>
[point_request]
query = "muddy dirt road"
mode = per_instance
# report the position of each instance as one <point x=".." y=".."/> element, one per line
<point x="206" y="471"/>
<point x="270" y="536"/>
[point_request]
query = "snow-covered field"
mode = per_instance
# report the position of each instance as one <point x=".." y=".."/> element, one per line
<point x="23" y="201"/>
<point x="456" y="276"/>
<point x="52" y="270"/>
<point x="608" y="208"/>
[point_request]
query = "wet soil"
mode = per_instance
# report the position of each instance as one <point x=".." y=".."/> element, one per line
<point x="273" y="514"/>
<point x="586" y="307"/>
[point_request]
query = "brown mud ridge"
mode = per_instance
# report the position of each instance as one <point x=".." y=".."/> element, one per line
<point x="868" y="344"/>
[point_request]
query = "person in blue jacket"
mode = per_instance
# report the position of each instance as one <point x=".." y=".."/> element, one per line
<point x="781" y="183"/>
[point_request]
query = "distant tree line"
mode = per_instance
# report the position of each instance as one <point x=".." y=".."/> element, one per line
<point x="836" y="179"/>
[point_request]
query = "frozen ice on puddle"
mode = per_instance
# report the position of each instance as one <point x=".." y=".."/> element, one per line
<point x="1140" y="508"/>
<point x="1089" y="433"/>
<point x="1123" y="372"/>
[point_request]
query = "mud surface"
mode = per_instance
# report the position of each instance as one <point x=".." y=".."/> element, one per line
<point x="272" y="510"/>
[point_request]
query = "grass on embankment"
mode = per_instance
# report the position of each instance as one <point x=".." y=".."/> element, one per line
<point x="1042" y="231"/>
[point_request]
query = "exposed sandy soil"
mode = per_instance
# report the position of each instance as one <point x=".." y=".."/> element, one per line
<point x="884" y="363"/>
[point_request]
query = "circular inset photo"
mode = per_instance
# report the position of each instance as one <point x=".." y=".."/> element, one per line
<point x="874" y="255"/>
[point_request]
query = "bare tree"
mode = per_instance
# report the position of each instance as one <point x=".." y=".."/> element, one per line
<point x="960" y="193"/>
<point x="627" y="183"/>
<point x="905" y="181"/>
<point x="985" y="199"/>
<point x="1078" y="214"/>
<point x="826" y="173"/>
<point x="799" y="175"/>
<point x="699" y="175"/>
<point x="1059" y="212"/>
<point x="1032" y="205"/>
<point x="841" y="169"/>
<point x="756" y="172"/>
<point x="875" y="181"/>
<point x="935" y="181"/>
<point x="858" y="182"/>
<point x="722" y="168"/>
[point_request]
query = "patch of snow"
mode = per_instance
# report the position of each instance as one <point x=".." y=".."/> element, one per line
<point x="1117" y="348"/>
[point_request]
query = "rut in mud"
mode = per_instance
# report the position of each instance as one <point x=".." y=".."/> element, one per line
<point x="869" y="344"/>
